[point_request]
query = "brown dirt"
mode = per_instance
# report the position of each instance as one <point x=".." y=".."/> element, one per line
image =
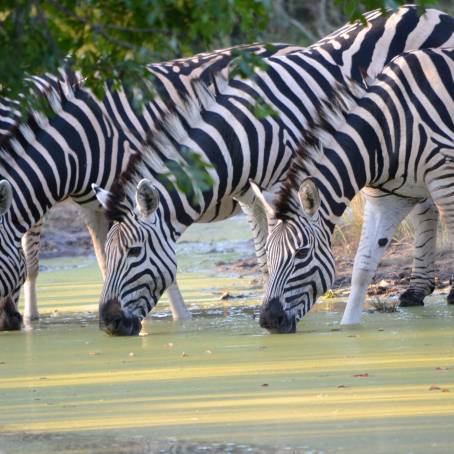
<point x="393" y="274"/>
<point x="64" y="233"/>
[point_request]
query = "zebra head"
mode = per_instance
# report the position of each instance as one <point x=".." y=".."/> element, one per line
<point x="141" y="263"/>
<point x="299" y="258"/>
<point x="12" y="262"/>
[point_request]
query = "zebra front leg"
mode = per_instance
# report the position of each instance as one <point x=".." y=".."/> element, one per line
<point x="176" y="302"/>
<point x="31" y="242"/>
<point x="422" y="281"/>
<point x="98" y="226"/>
<point x="382" y="214"/>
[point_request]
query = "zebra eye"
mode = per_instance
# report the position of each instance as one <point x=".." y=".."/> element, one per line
<point x="134" y="251"/>
<point x="302" y="252"/>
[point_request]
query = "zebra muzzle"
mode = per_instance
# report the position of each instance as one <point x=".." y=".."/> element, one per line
<point x="115" y="322"/>
<point x="275" y="320"/>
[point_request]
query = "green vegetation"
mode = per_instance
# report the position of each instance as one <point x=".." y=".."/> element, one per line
<point x="113" y="39"/>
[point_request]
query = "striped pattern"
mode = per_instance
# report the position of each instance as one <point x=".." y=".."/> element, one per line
<point x="239" y="147"/>
<point x="398" y="141"/>
<point x="87" y="141"/>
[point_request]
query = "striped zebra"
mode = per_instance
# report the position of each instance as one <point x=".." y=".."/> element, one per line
<point x="43" y="161"/>
<point x="45" y="86"/>
<point x="396" y="138"/>
<point x="149" y="211"/>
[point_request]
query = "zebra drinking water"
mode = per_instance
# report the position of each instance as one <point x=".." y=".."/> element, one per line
<point x="150" y="214"/>
<point x="43" y="161"/>
<point x="397" y="138"/>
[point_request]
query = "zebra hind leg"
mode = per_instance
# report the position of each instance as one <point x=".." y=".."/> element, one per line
<point x="31" y="245"/>
<point x="424" y="218"/>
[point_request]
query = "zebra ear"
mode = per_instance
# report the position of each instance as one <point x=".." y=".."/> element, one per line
<point x="6" y="196"/>
<point x="102" y="195"/>
<point x="269" y="210"/>
<point x="147" y="198"/>
<point x="309" y="197"/>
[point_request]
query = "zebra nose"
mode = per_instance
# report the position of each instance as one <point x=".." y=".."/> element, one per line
<point x="115" y="322"/>
<point x="274" y="319"/>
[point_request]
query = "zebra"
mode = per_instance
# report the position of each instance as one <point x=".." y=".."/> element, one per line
<point x="150" y="213"/>
<point x="43" y="161"/>
<point x="10" y="118"/>
<point x="396" y="137"/>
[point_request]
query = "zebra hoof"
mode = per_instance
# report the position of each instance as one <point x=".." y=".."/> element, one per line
<point x="450" y="297"/>
<point x="411" y="298"/>
<point x="10" y="319"/>
<point x="114" y="321"/>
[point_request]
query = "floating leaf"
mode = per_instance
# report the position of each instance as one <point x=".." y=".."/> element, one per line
<point x="438" y="388"/>
<point x="225" y="296"/>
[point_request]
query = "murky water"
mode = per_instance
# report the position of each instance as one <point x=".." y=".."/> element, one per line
<point x="219" y="383"/>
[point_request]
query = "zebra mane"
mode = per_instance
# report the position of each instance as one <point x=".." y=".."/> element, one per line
<point x="115" y="208"/>
<point x="320" y="131"/>
<point x="162" y="144"/>
<point x="51" y="90"/>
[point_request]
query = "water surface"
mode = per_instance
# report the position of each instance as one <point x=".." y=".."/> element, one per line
<point x="219" y="383"/>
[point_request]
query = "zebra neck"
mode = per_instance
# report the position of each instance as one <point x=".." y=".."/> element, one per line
<point x="340" y="173"/>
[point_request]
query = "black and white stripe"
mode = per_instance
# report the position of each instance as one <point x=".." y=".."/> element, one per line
<point x="86" y="141"/>
<point x="397" y="139"/>
<point x="239" y="147"/>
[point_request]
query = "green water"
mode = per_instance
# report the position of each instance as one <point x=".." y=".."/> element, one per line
<point x="219" y="383"/>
